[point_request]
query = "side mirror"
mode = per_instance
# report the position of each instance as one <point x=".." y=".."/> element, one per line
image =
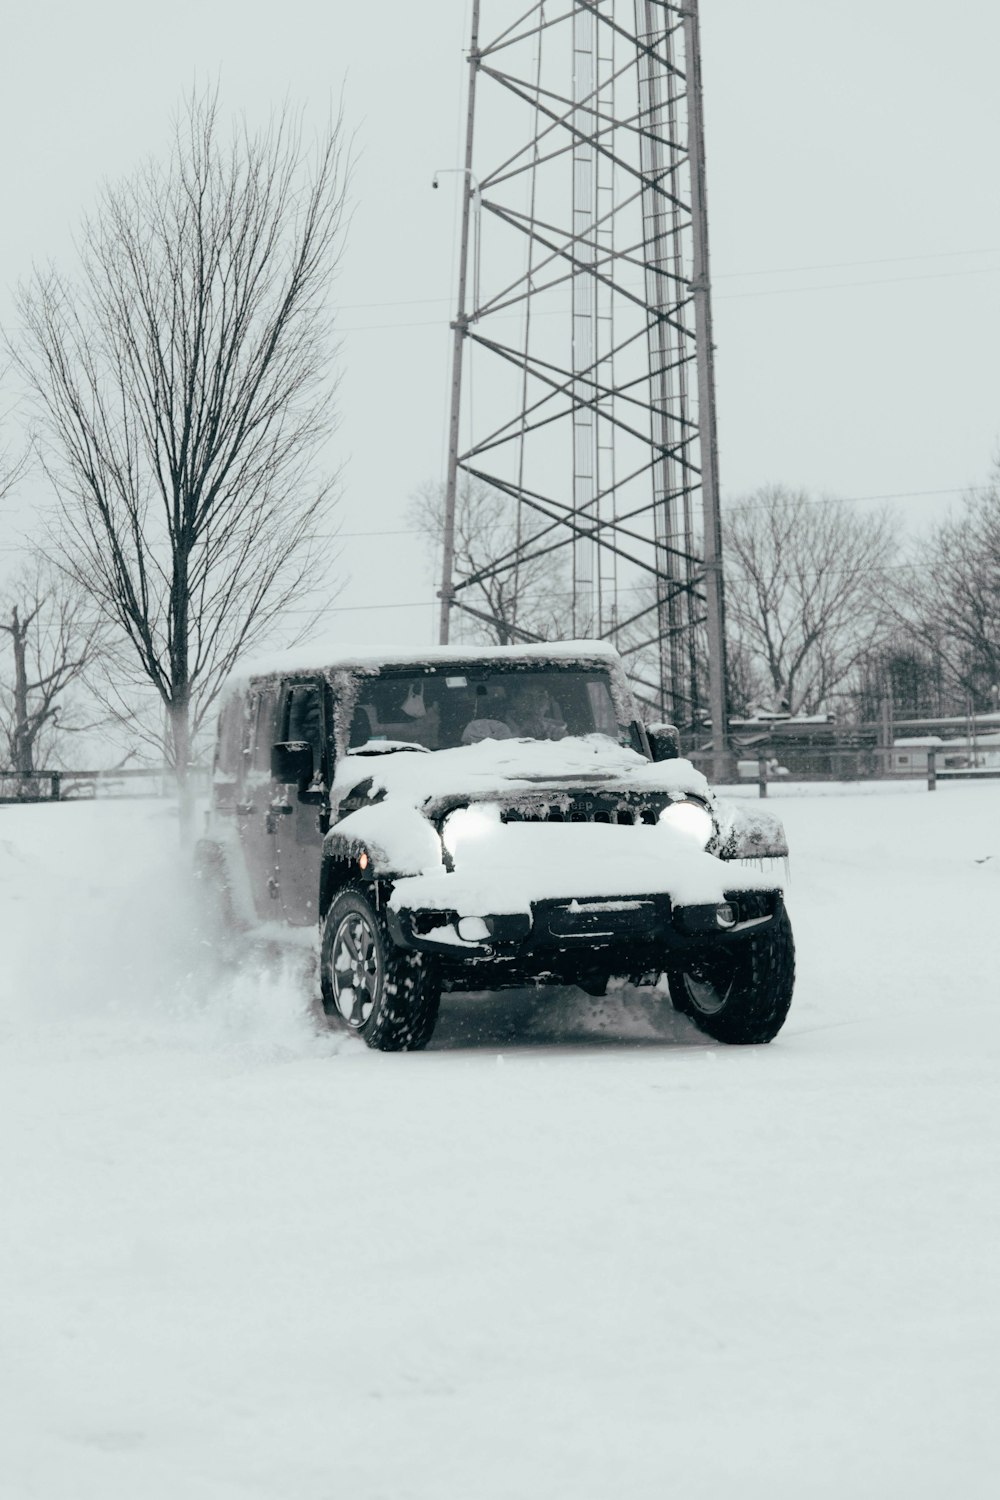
<point x="292" y="763"/>
<point x="664" y="741"/>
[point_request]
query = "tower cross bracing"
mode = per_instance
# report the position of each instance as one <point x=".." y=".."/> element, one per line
<point x="584" y="322"/>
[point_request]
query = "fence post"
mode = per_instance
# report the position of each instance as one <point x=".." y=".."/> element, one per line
<point x="931" y="770"/>
<point x="56" y="785"/>
<point x="762" y="775"/>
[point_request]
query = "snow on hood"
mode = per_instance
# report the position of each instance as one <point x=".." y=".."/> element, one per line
<point x="501" y="768"/>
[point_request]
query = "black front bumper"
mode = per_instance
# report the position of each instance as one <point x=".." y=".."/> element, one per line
<point x="564" y="940"/>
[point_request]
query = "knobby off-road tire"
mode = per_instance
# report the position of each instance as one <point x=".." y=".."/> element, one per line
<point x="387" y="996"/>
<point x="740" y="991"/>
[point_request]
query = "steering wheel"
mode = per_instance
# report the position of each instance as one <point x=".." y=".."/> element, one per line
<point x="485" y="729"/>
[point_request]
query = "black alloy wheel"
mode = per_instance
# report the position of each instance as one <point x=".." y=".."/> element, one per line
<point x="355" y="968"/>
<point x="386" y="995"/>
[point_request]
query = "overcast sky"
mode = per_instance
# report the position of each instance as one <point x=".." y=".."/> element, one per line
<point x="854" y="222"/>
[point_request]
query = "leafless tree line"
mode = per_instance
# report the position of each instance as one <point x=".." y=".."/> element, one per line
<point x="827" y="609"/>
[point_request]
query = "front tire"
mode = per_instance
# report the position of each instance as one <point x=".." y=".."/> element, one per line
<point x="386" y="995"/>
<point x="738" y="991"/>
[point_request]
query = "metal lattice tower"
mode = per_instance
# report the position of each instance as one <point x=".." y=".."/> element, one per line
<point x="584" y="319"/>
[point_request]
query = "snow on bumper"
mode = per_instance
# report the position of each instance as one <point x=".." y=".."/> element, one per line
<point x="555" y="883"/>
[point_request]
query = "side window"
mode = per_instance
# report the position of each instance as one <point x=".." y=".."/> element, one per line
<point x="304" y="718"/>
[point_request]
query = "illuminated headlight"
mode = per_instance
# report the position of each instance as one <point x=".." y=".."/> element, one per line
<point x="690" y="818"/>
<point x="467" y="825"/>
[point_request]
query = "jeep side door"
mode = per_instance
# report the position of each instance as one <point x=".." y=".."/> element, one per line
<point x="304" y="716"/>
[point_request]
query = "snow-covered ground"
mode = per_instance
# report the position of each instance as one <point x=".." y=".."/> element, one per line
<point x="573" y="1250"/>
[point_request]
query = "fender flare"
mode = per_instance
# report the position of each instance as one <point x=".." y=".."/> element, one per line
<point x="341" y="865"/>
<point x="746" y="833"/>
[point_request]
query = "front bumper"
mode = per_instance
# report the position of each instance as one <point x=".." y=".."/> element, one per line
<point x="562" y="939"/>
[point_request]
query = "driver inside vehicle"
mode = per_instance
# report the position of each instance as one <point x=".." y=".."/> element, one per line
<point x="530" y="712"/>
<point x="533" y="713"/>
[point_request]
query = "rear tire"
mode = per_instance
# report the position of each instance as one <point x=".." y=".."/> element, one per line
<point x="386" y="995"/>
<point x="738" y="991"/>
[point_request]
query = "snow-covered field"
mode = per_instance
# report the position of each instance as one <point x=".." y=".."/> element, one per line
<point x="573" y="1250"/>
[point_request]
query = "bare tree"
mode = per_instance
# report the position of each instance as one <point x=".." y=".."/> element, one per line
<point x="804" y="590"/>
<point x="502" y="604"/>
<point x="951" y="600"/>
<point x="183" y="387"/>
<point x="52" y="635"/>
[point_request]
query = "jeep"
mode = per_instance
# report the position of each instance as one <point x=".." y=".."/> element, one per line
<point x="469" y="818"/>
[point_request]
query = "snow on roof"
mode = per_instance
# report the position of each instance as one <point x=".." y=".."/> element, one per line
<point x="962" y="742"/>
<point x="766" y="716"/>
<point x="330" y="656"/>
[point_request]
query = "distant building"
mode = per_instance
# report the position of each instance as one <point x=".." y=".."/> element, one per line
<point x="965" y="752"/>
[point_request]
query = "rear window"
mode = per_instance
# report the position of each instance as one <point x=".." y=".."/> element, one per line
<point x="263" y="713"/>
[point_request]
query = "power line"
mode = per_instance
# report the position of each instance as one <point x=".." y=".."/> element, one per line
<point x="849" y="286"/>
<point x="830" y="265"/>
<point x="844" y="265"/>
<point x="966" y="489"/>
<point x="777" y="291"/>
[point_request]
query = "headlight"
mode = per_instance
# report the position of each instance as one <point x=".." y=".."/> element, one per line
<point x="469" y="824"/>
<point x="690" y="818"/>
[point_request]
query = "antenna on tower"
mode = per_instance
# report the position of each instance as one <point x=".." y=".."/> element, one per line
<point x="589" y="327"/>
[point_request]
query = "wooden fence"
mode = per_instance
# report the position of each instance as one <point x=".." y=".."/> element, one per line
<point x="76" y="786"/>
<point x="768" y="775"/>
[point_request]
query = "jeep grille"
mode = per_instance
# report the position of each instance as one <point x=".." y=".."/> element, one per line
<point x="584" y="808"/>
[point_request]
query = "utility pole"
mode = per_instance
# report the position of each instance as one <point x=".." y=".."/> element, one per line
<point x="715" y="607"/>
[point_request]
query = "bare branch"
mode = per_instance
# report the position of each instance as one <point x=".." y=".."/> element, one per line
<point x="53" y="638"/>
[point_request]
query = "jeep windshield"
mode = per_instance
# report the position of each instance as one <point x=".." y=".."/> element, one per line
<point x="443" y="707"/>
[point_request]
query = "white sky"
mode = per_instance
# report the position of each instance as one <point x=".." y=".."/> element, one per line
<point x="854" y="221"/>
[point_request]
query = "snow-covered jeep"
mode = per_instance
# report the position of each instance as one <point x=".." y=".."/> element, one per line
<point x="469" y="819"/>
